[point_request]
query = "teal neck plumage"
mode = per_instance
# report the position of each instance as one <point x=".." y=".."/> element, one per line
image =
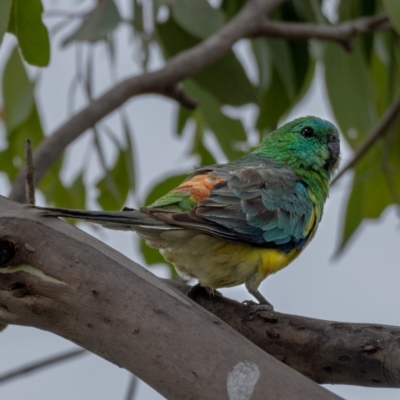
<point x="309" y="169"/>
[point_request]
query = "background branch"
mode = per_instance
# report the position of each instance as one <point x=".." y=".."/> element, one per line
<point x="342" y="33"/>
<point x="41" y="364"/>
<point x="388" y="118"/>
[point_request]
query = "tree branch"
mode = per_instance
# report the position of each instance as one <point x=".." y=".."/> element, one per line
<point x="324" y="351"/>
<point x="57" y="278"/>
<point x="342" y="33"/>
<point x="185" y="64"/>
<point x="388" y="118"/>
<point x="41" y="364"/>
<point x="29" y="174"/>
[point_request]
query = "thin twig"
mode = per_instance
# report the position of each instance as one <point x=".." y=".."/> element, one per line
<point x="176" y="93"/>
<point x="388" y="118"/>
<point x="47" y="362"/>
<point x="29" y="174"/>
<point x="342" y="33"/>
<point x="133" y="381"/>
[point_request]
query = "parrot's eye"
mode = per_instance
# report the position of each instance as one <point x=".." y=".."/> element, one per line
<point x="308" y="132"/>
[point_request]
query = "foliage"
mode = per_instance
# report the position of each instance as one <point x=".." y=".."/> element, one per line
<point x="361" y="85"/>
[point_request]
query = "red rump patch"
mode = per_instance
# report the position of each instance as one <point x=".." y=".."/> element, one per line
<point x="200" y="186"/>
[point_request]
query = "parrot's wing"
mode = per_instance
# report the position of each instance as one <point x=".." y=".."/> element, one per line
<point x="264" y="205"/>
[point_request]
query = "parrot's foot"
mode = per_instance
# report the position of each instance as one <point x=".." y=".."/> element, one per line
<point x="198" y="288"/>
<point x="264" y="304"/>
<point x="255" y="308"/>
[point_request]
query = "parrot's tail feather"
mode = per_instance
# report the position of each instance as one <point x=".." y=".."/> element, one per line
<point x="119" y="220"/>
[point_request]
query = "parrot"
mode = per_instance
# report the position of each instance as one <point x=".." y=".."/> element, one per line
<point x="241" y="221"/>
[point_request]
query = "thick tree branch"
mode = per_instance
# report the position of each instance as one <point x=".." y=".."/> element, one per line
<point x="182" y="66"/>
<point x="57" y="278"/>
<point x="325" y="351"/>
<point x="62" y="280"/>
<point x="381" y="128"/>
<point x="342" y="33"/>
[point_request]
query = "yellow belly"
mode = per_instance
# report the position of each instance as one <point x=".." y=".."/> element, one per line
<point x="219" y="263"/>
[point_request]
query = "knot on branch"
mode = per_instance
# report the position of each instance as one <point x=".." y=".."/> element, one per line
<point x="7" y="252"/>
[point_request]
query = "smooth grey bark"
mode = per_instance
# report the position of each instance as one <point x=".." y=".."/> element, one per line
<point x="57" y="278"/>
<point x="325" y="351"/>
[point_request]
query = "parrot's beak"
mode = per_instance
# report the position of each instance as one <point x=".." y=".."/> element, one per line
<point x="334" y="149"/>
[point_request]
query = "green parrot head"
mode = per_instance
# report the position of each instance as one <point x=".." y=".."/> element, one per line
<point x="309" y="145"/>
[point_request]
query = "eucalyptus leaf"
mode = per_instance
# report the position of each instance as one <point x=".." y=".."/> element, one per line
<point x="350" y="91"/>
<point x="228" y="131"/>
<point x="374" y="188"/>
<point x="226" y="79"/>
<point x="12" y="157"/>
<point x="114" y="186"/>
<point x="17" y="92"/>
<point x="26" y="24"/>
<point x="197" y="17"/>
<point x="182" y="119"/>
<point x="232" y="7"/>
<point x="393" y="10"/>
<point x="97" y="25"/>
<point x="5" y="11"/>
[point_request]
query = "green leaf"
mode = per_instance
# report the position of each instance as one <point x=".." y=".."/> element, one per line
<point x="374" y="188"/>
<point x="262" y="55"/>
<point x="206" y="158"/>
<point x="275" y="103"/>
<point x="354" y="9"/>
<point x="197" y="17"/>
<point x="137" y="15"/>
<point x="59" y="195"/>
<point x="97" y="25"/>
<point x="291" y="72"/>
<point x="232" y="7"/>
<point x="5" y="11"/>
<point x="130" y="151"/>
<point x="26" y="24"/>
<point x="17" y="92"/>
<point x="308" y="10"/>
<point x="12" y="158"/>
<point x="182" y="118"/>
<point x="228" y="131"/>
<point x="20" y="115"/>
<point x="284" y="65"/>
<point x="392" y="8"/>
<point x="114" y="186"/>
<point x="164" y="186"/>
<point x="77" y="192"/>
<point x="225" y="79"/>
<point x="350" y="91"/>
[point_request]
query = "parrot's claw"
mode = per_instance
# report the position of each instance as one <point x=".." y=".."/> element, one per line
<point x="255" y="308"/>
<point x="198" y="288"/>
<point x="263" y="303"/>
